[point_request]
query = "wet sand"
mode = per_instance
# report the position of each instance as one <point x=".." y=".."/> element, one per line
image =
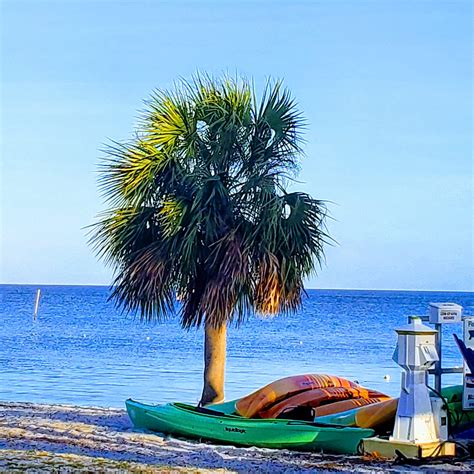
<point x="62" y="438"/>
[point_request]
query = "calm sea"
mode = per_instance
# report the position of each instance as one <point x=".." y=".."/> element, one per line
<point x="80" y="350"/>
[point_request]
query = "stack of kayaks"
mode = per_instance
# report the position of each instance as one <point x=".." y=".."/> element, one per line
<point x="312" y="390"/>
<point x="345" y="413"/>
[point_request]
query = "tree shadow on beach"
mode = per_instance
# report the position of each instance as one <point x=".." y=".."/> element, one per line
<point x="106" y="418"/>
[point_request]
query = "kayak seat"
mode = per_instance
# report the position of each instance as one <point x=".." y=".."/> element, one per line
<point x="303" y="413"/>
<point x="207" y="411"/>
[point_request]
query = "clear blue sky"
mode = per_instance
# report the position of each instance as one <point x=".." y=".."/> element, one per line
<point x="386" y="88"/>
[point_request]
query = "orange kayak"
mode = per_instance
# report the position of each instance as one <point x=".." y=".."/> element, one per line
<point x="301" y="390"/>
<point x="320" y="396"/>
<point x="345" y="405"/>
<point x="370" y="416"/>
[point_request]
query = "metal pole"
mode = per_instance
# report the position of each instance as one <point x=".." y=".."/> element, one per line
<point x="38" y="294"/>
<point x="438" y="366"/>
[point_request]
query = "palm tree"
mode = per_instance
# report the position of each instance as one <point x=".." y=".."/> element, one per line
<point x="199" y="209"/>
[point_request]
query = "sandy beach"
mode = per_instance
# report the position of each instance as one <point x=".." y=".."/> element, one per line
<point x="48" y="438"/>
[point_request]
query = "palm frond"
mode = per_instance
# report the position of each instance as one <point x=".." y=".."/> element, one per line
<point x="144" y="285"/>
<point x="121" y="232"/>
<point x="168" y="121"/>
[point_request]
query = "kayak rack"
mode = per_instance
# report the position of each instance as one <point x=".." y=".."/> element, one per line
<point x="438" y="370"/>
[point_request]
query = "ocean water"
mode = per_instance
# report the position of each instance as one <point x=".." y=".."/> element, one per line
<point x="81" y="350"/>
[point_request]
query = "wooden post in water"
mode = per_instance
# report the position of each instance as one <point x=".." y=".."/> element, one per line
<point x="38" y="294"/>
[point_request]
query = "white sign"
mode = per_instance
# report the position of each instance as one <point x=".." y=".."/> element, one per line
<point x="468" y="392"/>
<point x="441" y="313"/>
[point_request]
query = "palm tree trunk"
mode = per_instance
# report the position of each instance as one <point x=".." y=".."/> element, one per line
<point x="214" y="364"/>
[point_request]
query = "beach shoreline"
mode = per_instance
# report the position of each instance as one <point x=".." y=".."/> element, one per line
<point x="47" y="437"/>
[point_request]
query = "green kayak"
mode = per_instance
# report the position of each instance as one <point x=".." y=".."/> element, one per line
<point x="201" y="423"/>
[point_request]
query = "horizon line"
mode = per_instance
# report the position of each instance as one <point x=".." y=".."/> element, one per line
<point x="101" y="285"/>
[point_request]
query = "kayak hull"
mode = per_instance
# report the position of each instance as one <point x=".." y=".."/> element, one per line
<point x="186" y="421"/>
